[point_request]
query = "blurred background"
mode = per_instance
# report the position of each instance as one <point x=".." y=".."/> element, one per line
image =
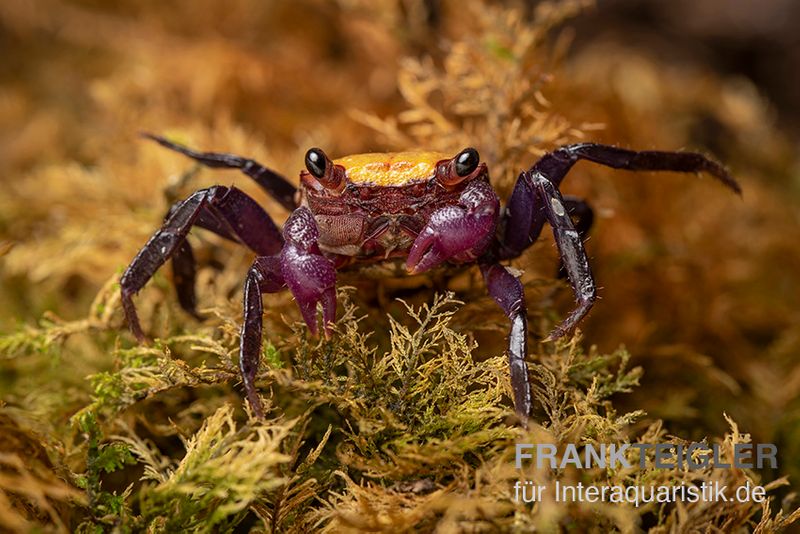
<point x="702" y="287"/>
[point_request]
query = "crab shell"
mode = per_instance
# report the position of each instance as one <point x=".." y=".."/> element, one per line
<point x="379" y="203"/>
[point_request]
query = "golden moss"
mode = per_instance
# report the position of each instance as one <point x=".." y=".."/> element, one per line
<point x="401" y="422"/>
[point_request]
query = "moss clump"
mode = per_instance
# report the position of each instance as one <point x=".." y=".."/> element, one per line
<point x="402" y="421"/>
<point x="419" y="436"/>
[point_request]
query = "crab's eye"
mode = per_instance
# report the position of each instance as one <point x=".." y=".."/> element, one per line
<point x="451" y="172"/>
<point x="466" y="162"/>
<point x="316" y="162"/>
<point x="324" y="172"/>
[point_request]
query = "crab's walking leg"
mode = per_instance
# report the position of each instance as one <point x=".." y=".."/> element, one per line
<point x="184" y="269"/>
<point x="230" y="208"/>
<point x="524" y="219"/>
<point x="184" y="274"/>
<point x="507" y="291"/>
<point x="570" y="249"/>
<point x="263" y="277"/>
<point x="550" y="206"/>
<point x="536" y="199"/>
<point x="272" y="182"/>
<point x="582" y="216"/>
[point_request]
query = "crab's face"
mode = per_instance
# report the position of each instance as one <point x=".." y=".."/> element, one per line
<point x="373" y="206"/>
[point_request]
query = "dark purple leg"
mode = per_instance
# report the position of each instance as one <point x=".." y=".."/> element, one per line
<point x="507" y="291"/>
<point x="264" y="277"/>
<point x="570" y="249"/>
<point x="459" y="234"/>
<point x="536" y="199"/>
<point x="582" y="216"/>
<point x="273" y="183"/>
<point x="184" y="272"/>
<point x="230" y="208"/>
<point x="311" y="277"/>
<point x="228" y="219"/>
<point x="523" y="220"/>
<point x="184" y="268"/>
<point x="551" y="207"/>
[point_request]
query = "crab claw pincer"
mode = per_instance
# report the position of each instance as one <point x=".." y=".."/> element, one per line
<point x="458" y="233"/>
<point x="310" y="276"/>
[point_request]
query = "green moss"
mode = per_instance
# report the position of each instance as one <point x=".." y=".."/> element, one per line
<point x="401" y="423"/>
<point x="424" y="435"/>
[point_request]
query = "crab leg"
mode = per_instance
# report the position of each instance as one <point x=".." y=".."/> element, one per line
<point x="184" y="269"/>
<point x="507" y="291"/>
<point x="536" y="199"/>
<point x="273" y="183"/>
<point x="570" y="249"/>
<point x="583" y="216"/>
<point x="552" y="207"/>
<point x="524" y="219"/>
<point x="229" y="208"/>
<point x="263" y="277"/>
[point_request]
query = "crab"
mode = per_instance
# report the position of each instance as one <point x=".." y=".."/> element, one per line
<point x="390" y="215"/>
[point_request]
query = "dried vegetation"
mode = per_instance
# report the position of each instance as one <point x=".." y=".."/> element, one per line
<point x="402" y="422"/>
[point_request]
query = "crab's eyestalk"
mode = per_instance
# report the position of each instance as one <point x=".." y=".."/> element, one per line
<point x="323" y="171"/>
<point x="465" y="165"/>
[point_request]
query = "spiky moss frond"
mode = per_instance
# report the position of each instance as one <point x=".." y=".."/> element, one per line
<point x="225" y="469"/>
<point x="421" y="405"/>
<point x="422" y="440"/>
<point x="697" y="289"/>
<point x="33" y="493"/>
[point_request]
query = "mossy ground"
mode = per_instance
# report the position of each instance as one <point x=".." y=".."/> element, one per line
<point x="401" y="422"/>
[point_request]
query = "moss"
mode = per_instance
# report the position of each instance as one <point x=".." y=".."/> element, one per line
<point x="402" y="421"/>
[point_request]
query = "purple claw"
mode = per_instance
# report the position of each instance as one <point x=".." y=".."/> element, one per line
<point x="445" y="235"/>
<point x="310" y="276"/>
<point x="457" y="233"/>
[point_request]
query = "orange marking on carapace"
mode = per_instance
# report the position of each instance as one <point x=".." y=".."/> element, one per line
<point x="390" y="169"/>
